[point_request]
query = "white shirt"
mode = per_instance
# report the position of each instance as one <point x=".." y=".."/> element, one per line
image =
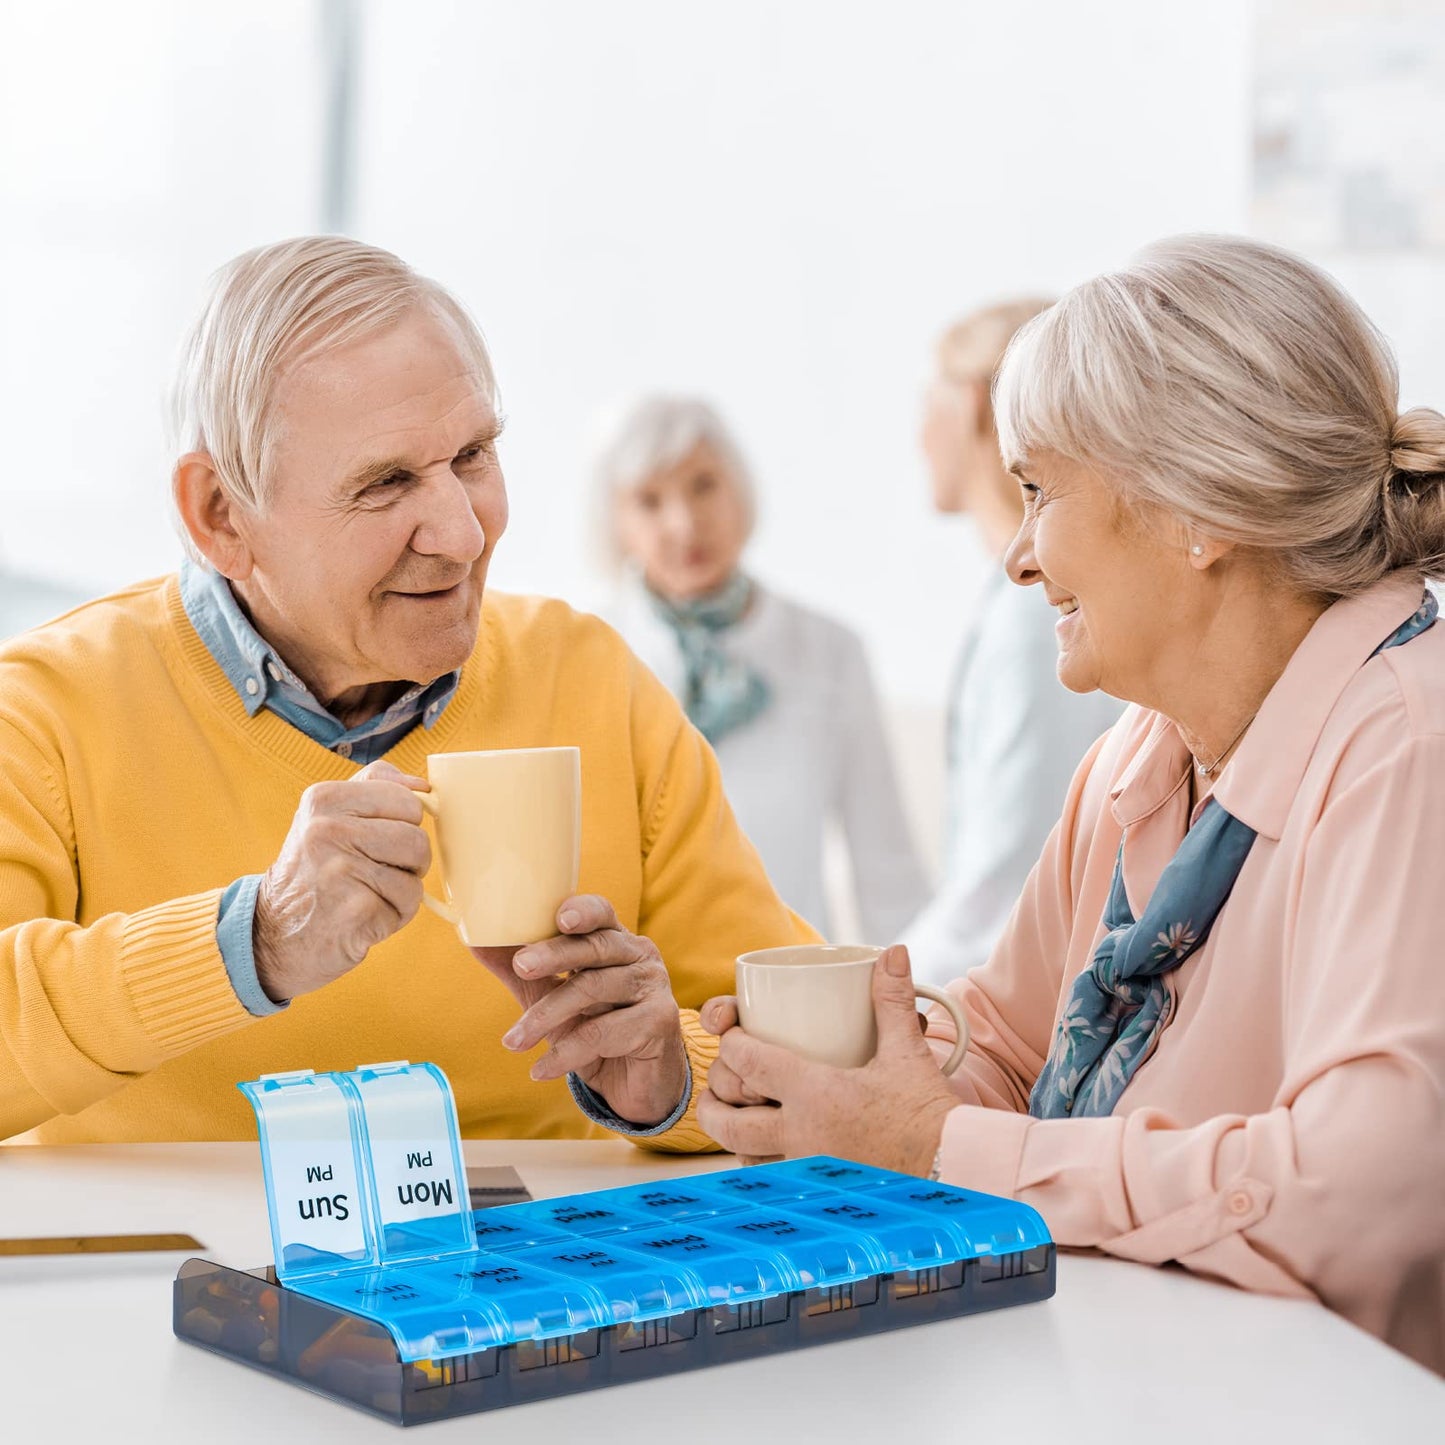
<point x="1015" y="737"/>
<point x="817" y="752"/>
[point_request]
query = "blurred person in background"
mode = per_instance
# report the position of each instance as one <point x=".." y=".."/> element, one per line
<point x="1015" y="734"/>
<point x="784" y="694"/>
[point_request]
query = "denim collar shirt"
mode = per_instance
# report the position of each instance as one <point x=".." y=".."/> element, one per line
<point x="263" y="680"/>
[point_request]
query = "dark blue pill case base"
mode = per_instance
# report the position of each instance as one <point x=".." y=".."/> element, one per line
<point x="288" y="1336"/>
<point x="557" y="1296"/>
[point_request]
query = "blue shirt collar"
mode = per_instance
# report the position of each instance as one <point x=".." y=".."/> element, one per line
<point x="262" y="679"/>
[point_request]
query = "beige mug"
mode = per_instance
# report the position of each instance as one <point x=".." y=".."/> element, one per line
<point x="509" y="834"/>
<point x="816" y="1000"/>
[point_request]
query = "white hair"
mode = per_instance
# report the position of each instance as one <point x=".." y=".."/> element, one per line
<point x="270" y="310"/>
<point x="1238" y="389"/>
<point x="651" y="434"/>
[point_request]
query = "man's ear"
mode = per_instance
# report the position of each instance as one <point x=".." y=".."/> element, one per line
<point x="210" y="516"/>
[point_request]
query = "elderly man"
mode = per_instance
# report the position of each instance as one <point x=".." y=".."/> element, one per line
<point x="211" y="852"/>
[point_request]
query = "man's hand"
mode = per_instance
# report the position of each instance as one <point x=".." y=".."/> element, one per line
<point x="601" y="998"/>
<point x="349" y="875"/>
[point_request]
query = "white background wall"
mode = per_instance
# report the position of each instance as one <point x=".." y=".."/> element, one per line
<point x="778" y="205"/>
<point x="141" y="144"/>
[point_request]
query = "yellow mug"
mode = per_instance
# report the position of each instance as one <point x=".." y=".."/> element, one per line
<point x="509" y="837"/>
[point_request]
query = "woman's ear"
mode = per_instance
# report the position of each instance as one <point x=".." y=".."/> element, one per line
<point x="1205" y="552"/>
<point x="210" y="516"/>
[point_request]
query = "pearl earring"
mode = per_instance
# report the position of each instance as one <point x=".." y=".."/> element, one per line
<point x="1197" y="549"/>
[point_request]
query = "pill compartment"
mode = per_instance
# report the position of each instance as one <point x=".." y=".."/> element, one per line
<point x="505" y="1228"/>
<point x="413" y="1149"/>
<point x="313" y="1157"/>
<point x="586" y="1214"/>
<point x="805" y="1254"/>
<point x="414" y="1310"/>
<point x="894" y="1238"/>
<point x="631" y="1287"/>
<point x="668" y="1200"/>
<point x="821" y="1174"/>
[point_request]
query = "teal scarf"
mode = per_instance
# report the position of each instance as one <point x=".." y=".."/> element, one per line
<point x="1120" y="1004"/>
<point x="721" y="693"/>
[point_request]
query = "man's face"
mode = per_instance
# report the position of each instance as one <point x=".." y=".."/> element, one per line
<point x="384" y="500"/>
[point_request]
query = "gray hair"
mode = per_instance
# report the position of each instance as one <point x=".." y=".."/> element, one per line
<point x="651" y="434"/>
<point x="1238" y="389"/>
<point x="270" y="310"/>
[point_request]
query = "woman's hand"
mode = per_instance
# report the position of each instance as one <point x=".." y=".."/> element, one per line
<point x="763" y="1101"/>
<point x="601" y="997"/>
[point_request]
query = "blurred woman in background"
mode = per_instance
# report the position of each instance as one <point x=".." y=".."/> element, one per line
<point x="1015" y="734"/>
<point x="784" y="694"/>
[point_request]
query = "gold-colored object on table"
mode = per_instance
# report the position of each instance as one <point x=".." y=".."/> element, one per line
<point x="100" y="1244"/>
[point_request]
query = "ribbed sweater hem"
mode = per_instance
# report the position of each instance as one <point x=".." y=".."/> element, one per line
<point x="175" y="975"/>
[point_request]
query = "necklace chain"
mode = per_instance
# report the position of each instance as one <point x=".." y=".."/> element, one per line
<point x="1207" y="769"/>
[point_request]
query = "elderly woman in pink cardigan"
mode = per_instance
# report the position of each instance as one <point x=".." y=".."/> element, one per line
<point x="1213" y="1032"/>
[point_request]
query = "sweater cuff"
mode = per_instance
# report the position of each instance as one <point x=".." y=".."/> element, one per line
<point x="596" y="1108"/>
<point x="682" y="1135"/>
<point x="981" y="1149"/>
<point x="235" y="927"/>
<point x="175" y="976"/>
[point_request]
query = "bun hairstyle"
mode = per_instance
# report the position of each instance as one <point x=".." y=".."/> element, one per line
<point x="1238" y="389"/>
<point x="1412" y="508"/>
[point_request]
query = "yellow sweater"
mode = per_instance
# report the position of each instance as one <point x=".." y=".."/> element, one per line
<point x="134" y="789"/>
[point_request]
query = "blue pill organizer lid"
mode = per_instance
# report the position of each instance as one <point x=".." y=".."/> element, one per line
<point x="366" y="1188"/>
<point x="362" y="1168"/>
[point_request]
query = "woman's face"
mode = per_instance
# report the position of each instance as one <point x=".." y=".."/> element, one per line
<point x="1117" y="580"/>
<point x="685" y="525"/>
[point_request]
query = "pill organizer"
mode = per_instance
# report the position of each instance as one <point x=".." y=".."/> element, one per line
<point x="389" y="1293"/>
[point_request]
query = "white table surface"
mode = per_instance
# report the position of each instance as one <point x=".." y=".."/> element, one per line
<point x="1122" y="1353"/>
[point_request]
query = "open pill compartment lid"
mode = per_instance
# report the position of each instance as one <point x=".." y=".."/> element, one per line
<point x="312" y="1157"/>
<point x="362" y="1169"/>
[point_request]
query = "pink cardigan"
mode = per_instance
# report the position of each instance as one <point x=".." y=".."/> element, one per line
<point x="1288" y="1133"/>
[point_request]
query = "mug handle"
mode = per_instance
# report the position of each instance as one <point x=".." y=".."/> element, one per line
<point x="955" y="1010"/>
<point x="442" y="909"/>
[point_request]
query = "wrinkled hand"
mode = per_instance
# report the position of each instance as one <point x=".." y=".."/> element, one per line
<point x="601" y="998"/>
<point x="763" y="1102"/>
<point x="349" y="875"/>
